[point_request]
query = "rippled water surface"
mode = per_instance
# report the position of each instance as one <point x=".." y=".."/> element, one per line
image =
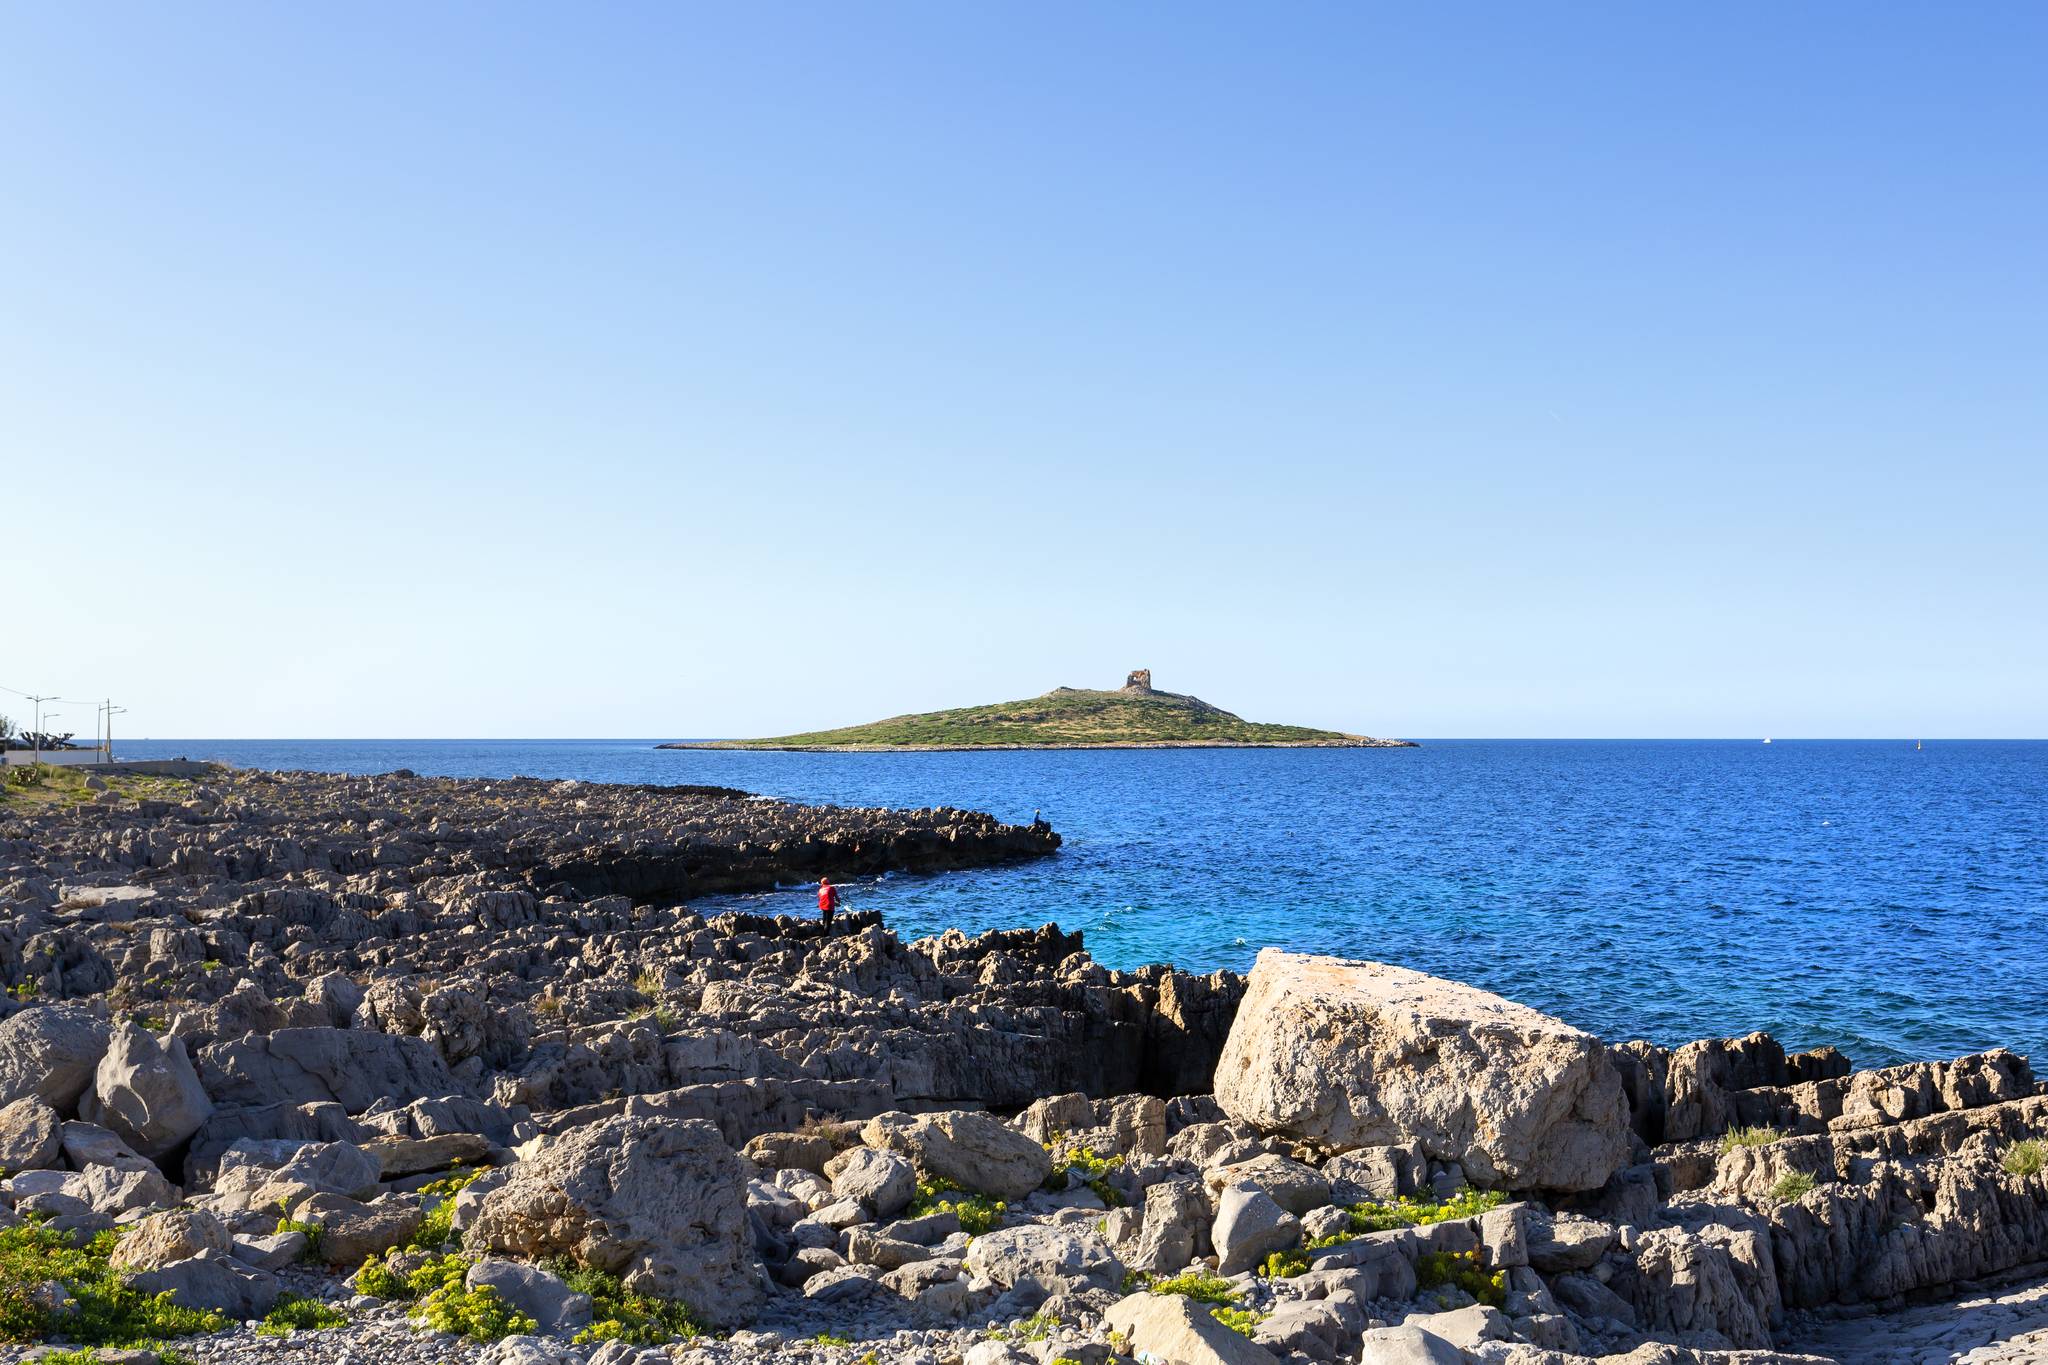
<point x="1858" y="893"/>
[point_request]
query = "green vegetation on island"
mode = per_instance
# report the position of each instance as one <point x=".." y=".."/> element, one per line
<point x="1134" y="716"/>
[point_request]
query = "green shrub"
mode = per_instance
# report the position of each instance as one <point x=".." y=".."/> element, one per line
<point x="1285" y="1265"/>
<point x="1408" y="1212"/>
<point x="1092" y="1167"/>
<point x="314" y="1233"/>
<point x="296" y="1314"/>
<point x="377" y="1279"/>
<point x="437" y="1227"/>
<point x="977" y="1213"/>
<point x="1748" y="1137"/>
<point x="106" y="1310"/>
<point x="1464" y="1270"/>
<point x="481" y="1314"/>
<point x="1792" y="1188"/>
<point x="2027" y="1157"/>
<point x="1239" y="1320"/>
<point x="831" y="1339"/>
<point x="618" y="1314"/>
<point x="1198" y="1285"/>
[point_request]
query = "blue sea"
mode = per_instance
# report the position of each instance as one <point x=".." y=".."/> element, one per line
<point x="1861" y="893"/>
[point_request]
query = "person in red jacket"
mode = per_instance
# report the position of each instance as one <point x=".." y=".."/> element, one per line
<point x="828" y="901"/>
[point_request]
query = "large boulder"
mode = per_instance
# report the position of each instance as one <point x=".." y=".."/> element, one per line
<point x="972" y="1150"/>
<point x="1360" y="1054"/>
<point x="660" y="1202"/>
<point x="49" y="1052"/>
<point x="146" y="1092"/>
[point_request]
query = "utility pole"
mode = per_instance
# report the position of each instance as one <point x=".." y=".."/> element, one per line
<point x="112" y="711"/>
<point x="36" y="740"/>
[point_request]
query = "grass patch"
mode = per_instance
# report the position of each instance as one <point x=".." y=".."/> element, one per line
<point x="296" y="1314"/>
<point x="57" y="786"/>
<point x="2027" y="1157"/>
<point x="977" y="1213"/>
<point x="1464" y="1270"/>
<point x="618" y="1314"/>
<point x="1407" y="1212"/>
<point x="1198" y="1285"/>
<point x="1749" y="1137"/>
<point x="1792" y="1188"/>
<point x="106" y="1310"/>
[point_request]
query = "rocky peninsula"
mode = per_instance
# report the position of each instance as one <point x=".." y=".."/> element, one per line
<point x="1134" y="716"/>
<point x="397" y="1069"/>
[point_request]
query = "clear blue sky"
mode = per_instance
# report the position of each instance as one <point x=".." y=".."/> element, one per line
<point x="721" y="369"/>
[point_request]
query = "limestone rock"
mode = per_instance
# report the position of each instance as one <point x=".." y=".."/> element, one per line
<point x="1358" y="1054"/>
<point x="50" y="1051"/>
<point x="351" y="1232"/>
<point x="882" y="1181"/>
<point x="352" y="1067"/>
<point x="659" y="1202"/>
<point x="1053" y="1256"/>
<point x="171" y="1236"/>
<point x="29" y="1136"/>
<point x="553" y="1306"/>
<point x="1293" y="1186"/>
<point x="1169" y="1327"/>
<point x="1175" y="1228"/>
<point x="147" y="1092"/>
<point x="972" y="1150"/>
<point x="213" y="1280"/>
<point x="1250" y="1225"/>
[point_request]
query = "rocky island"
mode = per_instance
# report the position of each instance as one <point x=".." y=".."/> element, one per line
<point x="394" y="1069"/>
<point x="1135" y="716"/>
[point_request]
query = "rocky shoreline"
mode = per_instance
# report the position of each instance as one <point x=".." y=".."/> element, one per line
<point x="402" y="1069"/>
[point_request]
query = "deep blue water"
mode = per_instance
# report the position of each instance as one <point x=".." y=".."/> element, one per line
<point x="1888" y="901"/>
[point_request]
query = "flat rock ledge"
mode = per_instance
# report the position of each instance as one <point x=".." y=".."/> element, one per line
<point x="425" y="1018"/>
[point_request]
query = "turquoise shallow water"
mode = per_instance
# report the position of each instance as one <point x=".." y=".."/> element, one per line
<point x="1891" y="902"/>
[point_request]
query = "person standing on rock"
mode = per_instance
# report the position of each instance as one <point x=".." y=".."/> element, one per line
<point x="828" y="901"/>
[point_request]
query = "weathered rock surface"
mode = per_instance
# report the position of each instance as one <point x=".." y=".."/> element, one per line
<point x="973" y="1151"/>
<point x="29" y="1138"/>
<point x="1356" y="1054"/>
<point x="146" y="1092"/>
<point x="660" y="1203"/>
<point x="50" y="1052"/>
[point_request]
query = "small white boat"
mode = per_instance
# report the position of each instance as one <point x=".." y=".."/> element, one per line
<point x="1767" y="739"/>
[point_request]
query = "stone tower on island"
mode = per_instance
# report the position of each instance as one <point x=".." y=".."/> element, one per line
<point x="1140" y="682"/>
